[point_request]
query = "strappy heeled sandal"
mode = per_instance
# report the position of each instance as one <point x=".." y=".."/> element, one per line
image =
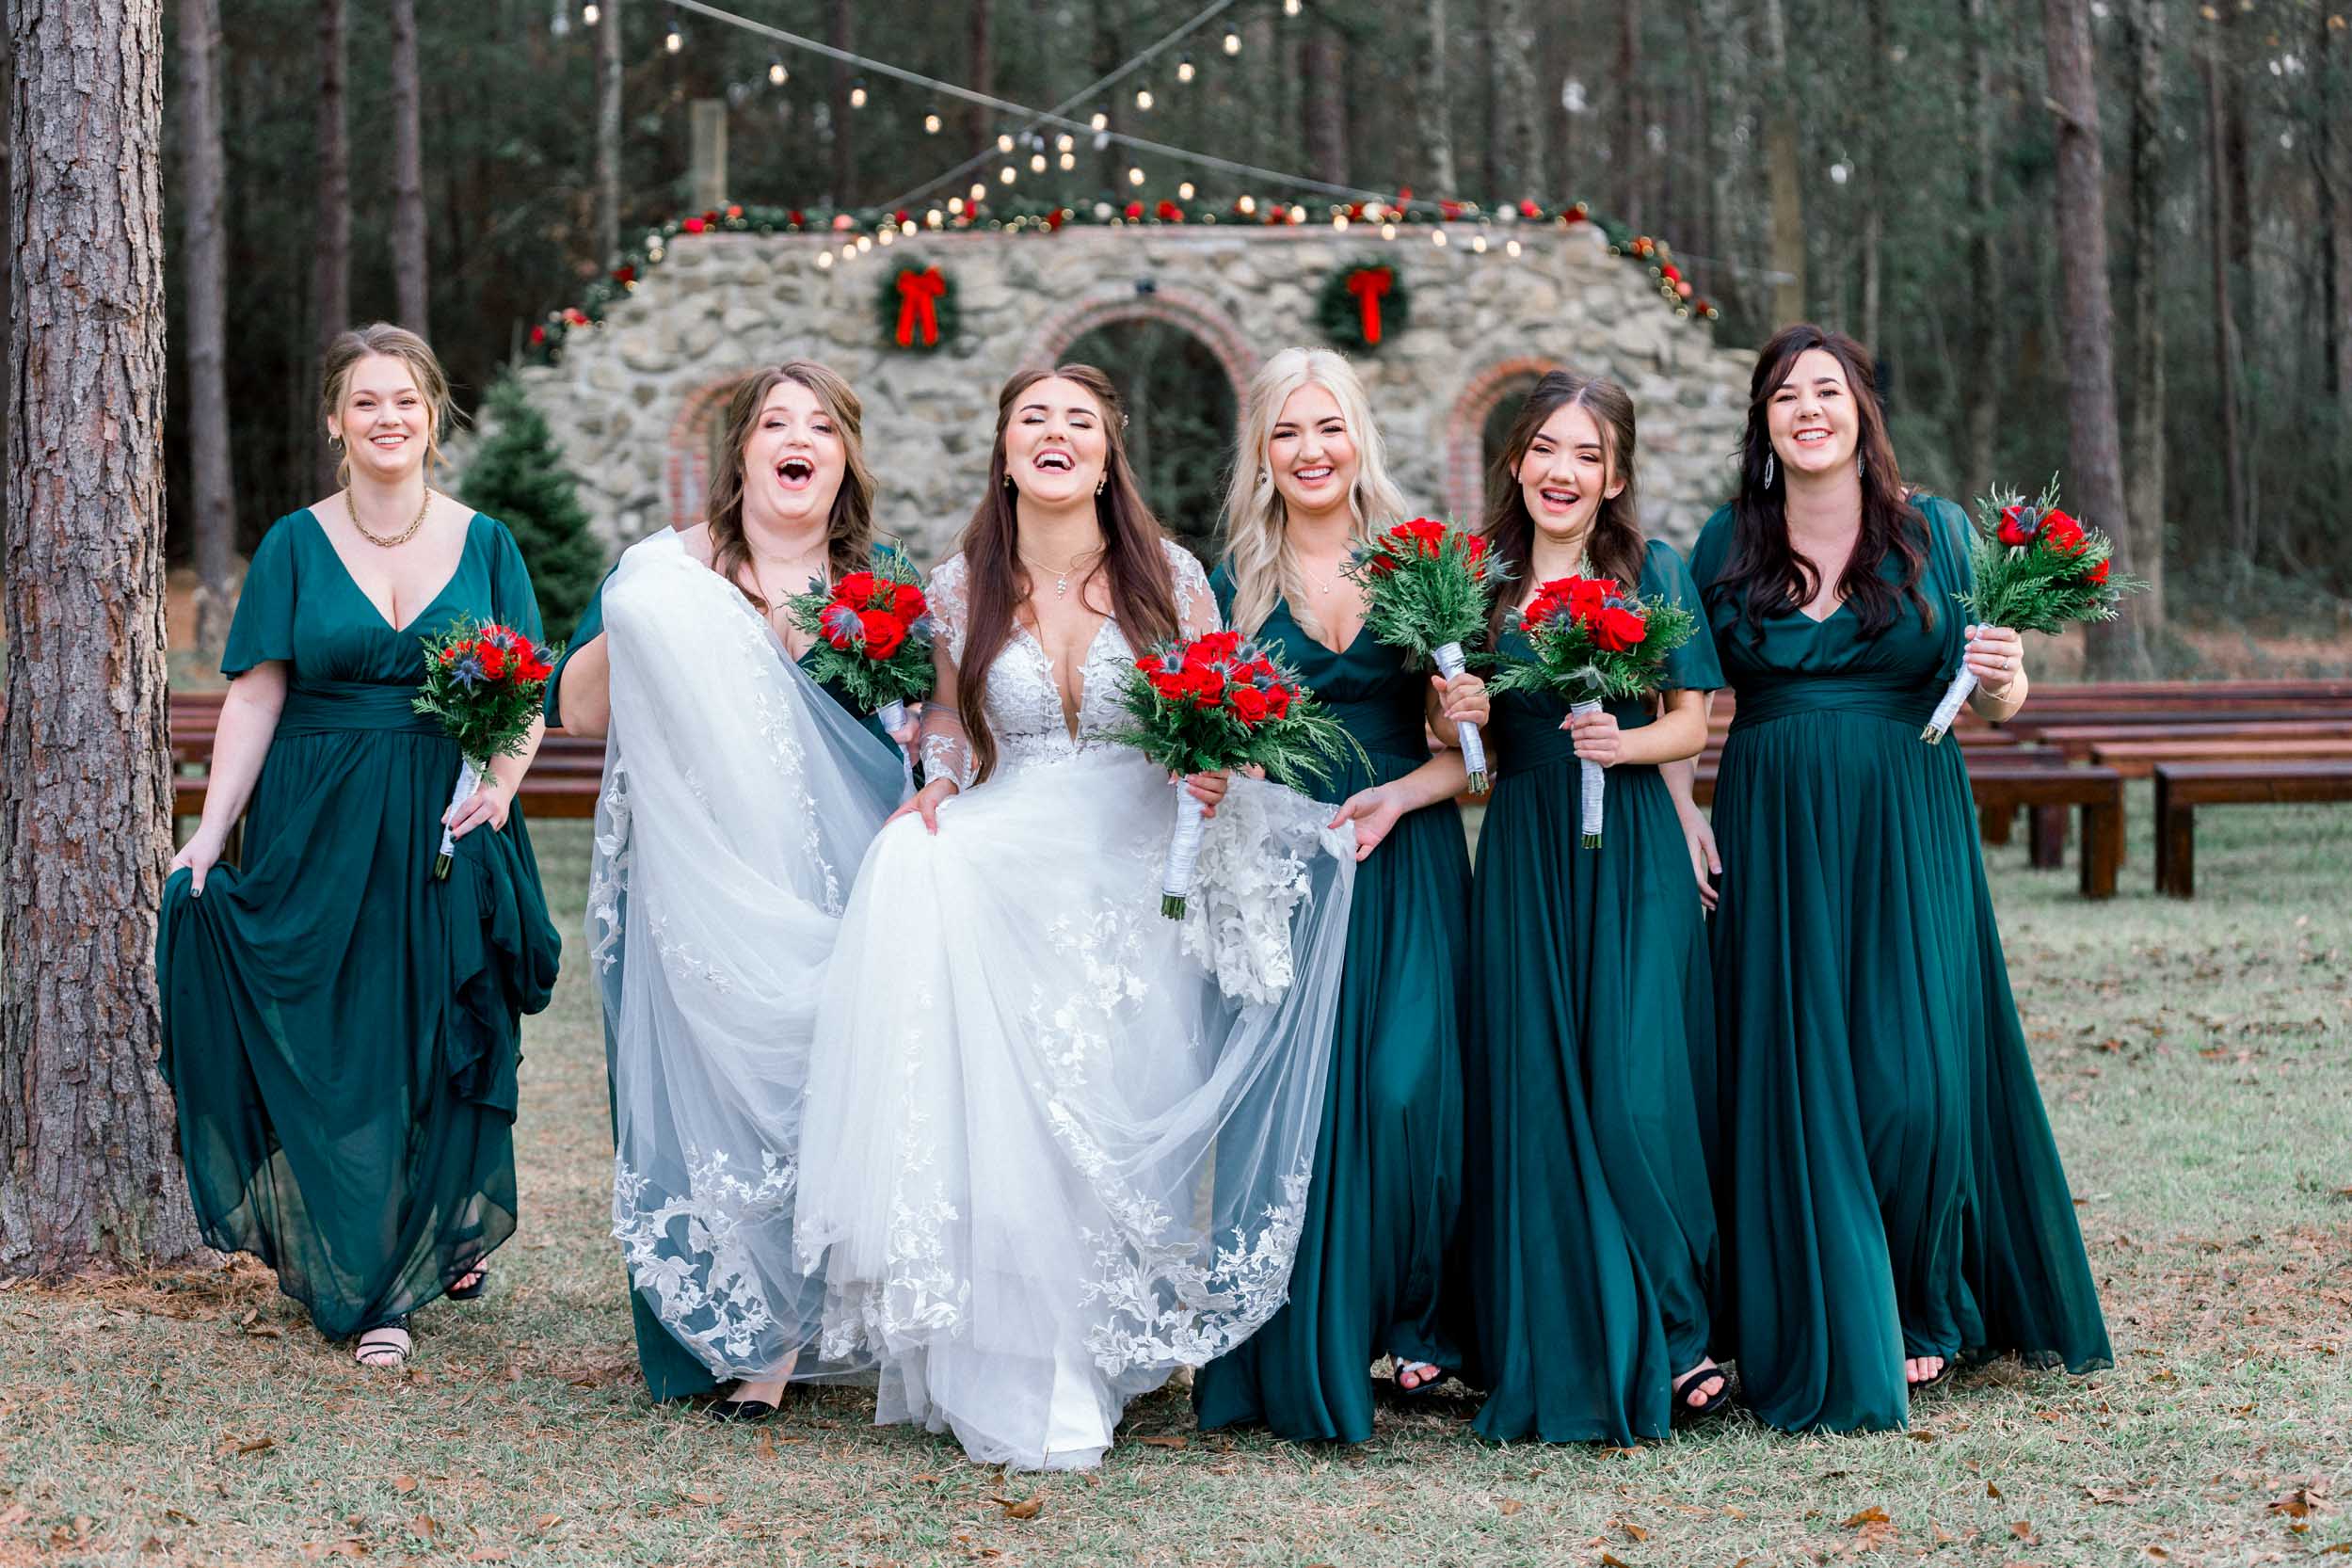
<point x="1684" y="1412"/>
<point x="385" y="1355"/>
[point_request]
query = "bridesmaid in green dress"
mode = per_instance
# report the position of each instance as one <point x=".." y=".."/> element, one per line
<point x="1589" y="1249"/>
<point x="1891" y="1196"/>
<point x="341" y="1030"/>
<point x="770" y="540"/>
<point x="1387" y="1183"/>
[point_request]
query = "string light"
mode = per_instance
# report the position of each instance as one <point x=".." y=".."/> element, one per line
<point x="1511" y="247"/>
<point x="1184" y="191"/>
<point x="932" y="218"/>
<point x="1340" y="222"/>
<point x="824" y="260"/>
<point x="1233" y="43"/>
<point x="674" y="41"/>
<point x="1004" y="142"/>
<point x="1069" y="160"/>
<point x="978" y="192"/>
<point x="1135" y="176"/>
<point x="1437" y="238"/>
<point x="1142" y="98"/>
<point x="865" y="243"/>
<point x="1102" y="120"/>
<point x="1248" y="205"/>
<point x="857" y="94"/>
<point x="906" y="226"/>
<point x="1478" y="242"/>
<point x="1185" y="70"/>
<point x="1008" y="174"/>
<point x="1388" y="231"/>
<point x="1036" y="162"/>
<point x="1290" y="8"/>
<point x="778" y="75"/>
<point x="591" y="13"/>
<point x="931" y="123"/>
<point x="956" y="205"/>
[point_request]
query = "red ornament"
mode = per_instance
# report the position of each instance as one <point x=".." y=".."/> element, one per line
<point x="918" y="306"/>
<point x="693" y="226"/>
<point x="1527" y="209"/>
<point x="538" y="335"/>
<point x="734" y="212"/>
<point x="624" y="275"/>
<point x="1134" y="212"/>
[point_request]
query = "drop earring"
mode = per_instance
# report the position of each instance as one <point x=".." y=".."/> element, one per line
<point x="1861" y="465"/>
<point x="1768" y="470"/>
<point x="1098" y="485"/>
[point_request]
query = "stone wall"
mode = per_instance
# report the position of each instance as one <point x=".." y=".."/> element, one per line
<point x="635" y="403"/>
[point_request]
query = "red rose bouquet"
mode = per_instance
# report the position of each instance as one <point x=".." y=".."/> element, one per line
<point x="2037" y="569"/>
<point x="1594" y="641"/>
<point x="1426" y="589"/>
<point x="1213" y="704"/>
<point x="487" y="684"/>
<point x="874" y="636"/>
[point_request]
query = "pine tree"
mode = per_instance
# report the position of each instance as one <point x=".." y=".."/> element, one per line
<point x="518" y="477"/>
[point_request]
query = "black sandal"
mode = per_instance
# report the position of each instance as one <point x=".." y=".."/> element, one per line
<point x="1684" y="1412"/>
<point x="363" y="1350"/>
<point x="1422" y="1389"/>
<point x="480" y="1272"/>
<point x="741" y="1410"/>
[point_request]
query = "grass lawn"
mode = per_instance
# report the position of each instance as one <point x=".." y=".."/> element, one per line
<point x="2197" y="1063"/>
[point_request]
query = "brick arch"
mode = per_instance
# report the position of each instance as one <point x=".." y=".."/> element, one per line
<point x="1197" y="314"/>
<point x="686" y="478"/>
<point x="1466" y="429"/>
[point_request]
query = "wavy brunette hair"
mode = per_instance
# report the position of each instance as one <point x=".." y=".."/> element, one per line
<point x="849" y="529"/>
<point x="1615" y="543"/>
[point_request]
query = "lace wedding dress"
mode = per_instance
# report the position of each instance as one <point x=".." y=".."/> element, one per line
<point x="1057" y="1145"/>
<point x="738" y="800"/>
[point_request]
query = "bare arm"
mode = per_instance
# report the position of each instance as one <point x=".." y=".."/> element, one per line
<point x="249" y="721"/>
<point x="585" y="696"/>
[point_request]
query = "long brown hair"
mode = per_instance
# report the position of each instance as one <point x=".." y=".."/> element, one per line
<point x="1615" y="544"/>
<point x="1763" y="573"/>
<point x="381" y="337"/>
<point x="1143" y="591"/>
<point x="849" y="530"/>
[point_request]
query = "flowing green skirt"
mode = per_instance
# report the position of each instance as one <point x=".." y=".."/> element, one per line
<point x="1589" y="1245"/>
<point x="342" y="1030"/>
<point x="1888" y="1185"/>
<point x="1389" y="1160"/>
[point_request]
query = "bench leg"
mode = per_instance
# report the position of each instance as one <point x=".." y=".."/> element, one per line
<point x="2176" y="845"/>
<point x="2049" y="848"/>
<point x="1994" y="824"/>
<point x="2102" y="844"/>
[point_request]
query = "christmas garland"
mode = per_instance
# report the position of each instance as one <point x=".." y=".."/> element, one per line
<point x="857" y="232"/>
<point x="916" y="307"/>
<point x="1362" y="304"/>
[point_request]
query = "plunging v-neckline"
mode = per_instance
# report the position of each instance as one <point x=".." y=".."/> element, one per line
<point x="1073" y="715"/>
<point x="1824" y="620"/>
<point x="352" y="577"/>
<point x="1361" y="628"/>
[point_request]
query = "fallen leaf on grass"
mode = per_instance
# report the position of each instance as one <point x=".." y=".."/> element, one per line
<point x="1027" y="1508"/>
<point x="1868" y="1517"/>
<point x="2021" y="1529"/>
<point x="547" y="1521"/>
<point x="228" y="1445"/>
<point x="15" y="1514"/>
<point x="265" y="1331"/>
<point x="2113" y="1495"/>
<point x="404" y="1484"/>
<point x="2299" y="1503"/>
<point x="1991" y="1490"/>
<point x="2156" y="1551"/>
<point x="1173" y="1440"/>
<point x="1610" y="1560"/>
<point x="1508" y="1506"/>
<point x="704" y="1497"/>
<point x="1635" y="1532"/>
<point x="489" y="1554"/>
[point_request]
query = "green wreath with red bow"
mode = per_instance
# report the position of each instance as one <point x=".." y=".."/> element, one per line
<point x="1362" y="305"/>
<point x="916" y="307"/>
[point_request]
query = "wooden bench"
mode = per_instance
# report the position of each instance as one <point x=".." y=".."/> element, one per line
<point x="2138" y="758"/>
<point x="2183" y="787"/>
<point x="2002" y="786"/>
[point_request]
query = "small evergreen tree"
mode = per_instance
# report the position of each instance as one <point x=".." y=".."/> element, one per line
<point x="518" y="477"/>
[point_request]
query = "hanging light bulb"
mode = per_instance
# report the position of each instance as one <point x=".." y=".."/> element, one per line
<point x="1478" y="242"/>
<point x="1102" y="120"/>
<point x="673" y="40"/>
<point x="1388" y="231"/>
<point x="857" y="95"/>
<point x="1036" y="162"/>
<point x="778" y="75"/>
<point x="1511" y="247"/>
<point x="978" y="192"/>
<point x="1063" y="142"/>
<point x="931" y="123"/>
<point x="1184" y="191"/>
<point x="1135" y="176"/>
<point x="1008" y="174"/>
<point x="591" y="13"/>
<point x="1185" y="70"/>
<point x="933" y="219"/>
<point x="956" y="205"/>
<point x="1069" y="160"/>
<point x="1248" y="205"/>
<point x="1437" y="238"/>
<point x="1233" y="42"/>
<point x="1142" y="98"/>
<point x="865" y="243"/>
<point x="825" y="261"/>
<point x="1290" y="8"/>
<point x="1340" y="222"/>
<point x="1004" y="142"/>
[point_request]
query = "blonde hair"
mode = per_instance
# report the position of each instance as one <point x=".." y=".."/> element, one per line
<point x="1258" y="556"/>
<point x="849" y="528"/>
<point x="381" y="337"/>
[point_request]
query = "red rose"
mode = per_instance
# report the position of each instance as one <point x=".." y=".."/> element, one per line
<point x="1380" y="565"/>
<point x="2097" y="574"/>
<point x="2018" y="525"/>
<point x="534" y="668"/>
<point x="2062" y="534"/>
<point x="1618" y="630"/>
<point x="884" y="632"/>
<point x="492" y="656"/>
<point x="1168" y="683"/>
<point x="855" y="590"/>
<point x="1586" y="595"/>
<point x="1205" y="687"/>
<point x="1278" y="702"/>
<point x="1211" y="648"/>
<point x="449" y="657"/>
<point x="841" y="626"/>
<point x="1259" y="669"/>
<point x="906" y="603"/>
<point x="1250" y="705"/>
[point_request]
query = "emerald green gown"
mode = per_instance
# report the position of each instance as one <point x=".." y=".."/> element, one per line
<point x="1888" y="1185"/>
<point x="1587" y="1252"/>
<point x="342" y="1030"/>
<point x="1387" y="1180"/>
<point x="671" y="1370"/>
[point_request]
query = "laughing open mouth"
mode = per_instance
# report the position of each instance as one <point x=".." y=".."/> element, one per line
<point x="1053" y="460"/>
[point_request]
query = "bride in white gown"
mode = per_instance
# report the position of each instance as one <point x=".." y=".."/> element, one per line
<point x="1055" y="1145"/>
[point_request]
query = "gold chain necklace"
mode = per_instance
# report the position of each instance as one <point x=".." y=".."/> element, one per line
<point x="394" y="540"/>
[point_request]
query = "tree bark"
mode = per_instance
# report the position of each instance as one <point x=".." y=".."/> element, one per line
<point x="1783" y="173"/>
<point x="2144" y="445"/>
<point x="608" y="74"/>
<point x="204" y="265"/>
<point x="330" y="277"/>
<point x="1327" y="105"/>
<point x="89" y="1169"/>
<point x="1628" y="145"/>
<point x="2234" y="508"/>
<point x="2094" y="443"/>
<point x="411" y="274"/>
<point x="980" y="72"/>
<point x="1432" y="112"/>
<point x="840" y="32"/>
<point x="1981" y="352"/>
<point x="1878" y="92"/>
<point x="1519" y="166"/>
<point x="2332" y="158"/>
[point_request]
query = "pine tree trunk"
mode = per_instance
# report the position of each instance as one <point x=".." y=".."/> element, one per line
<point x="89" y="1169"/>
<point x="2333" y="159"/>
<point x="204" y="258"/>
<point x="2144" y="470"/>
<point x="1432" y="112"/>
<point x="1626" y="142"/>
<point x="840" y="32"/>
<point x="980" y="72"/>
<point x="1261" y="52"/>
<point x="410" y="266"/>
<point x="2094" y="443"/>
<point x="1784" y="175"/>
<point x="1519" y="166"/>
<point x="1878" y="93"/>
<point x="330" y="277"/>
<point x="1327" y="105"/>
<point x="1982" y="350"/>
<point x="608" y="135"/>
<point x="2234" y="508"/>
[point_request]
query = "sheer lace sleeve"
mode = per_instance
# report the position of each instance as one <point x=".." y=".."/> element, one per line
<point x="1196" y="604"/>
<point x="947" y="750"/>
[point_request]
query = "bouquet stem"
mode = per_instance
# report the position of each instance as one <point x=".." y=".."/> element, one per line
<point x="892" y="714"/>
<point x="1591" y="781"/>
<point x="1954" y="694"/>
<point x="1184" y="849"/>
<point x="469" y="778"/>
<point x="1450" y="663"/>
